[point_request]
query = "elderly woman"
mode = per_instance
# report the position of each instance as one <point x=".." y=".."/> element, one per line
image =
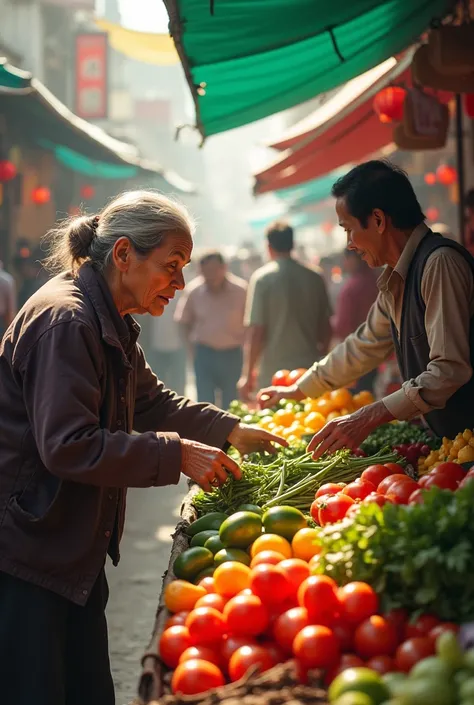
<point x="73" y="385"/>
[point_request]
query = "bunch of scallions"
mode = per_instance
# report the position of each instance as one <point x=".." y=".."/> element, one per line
<point x="286" y="480"/>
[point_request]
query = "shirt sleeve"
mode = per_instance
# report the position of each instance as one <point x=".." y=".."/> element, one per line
<point x="159" y="409"/>
<point x="254" y="307"/>
<point x="62" y="381"/>
<point x="447" y="288"/>
<point x="361" y="352"/>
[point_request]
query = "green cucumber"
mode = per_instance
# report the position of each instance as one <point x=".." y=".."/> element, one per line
<point x="213" y="521"/>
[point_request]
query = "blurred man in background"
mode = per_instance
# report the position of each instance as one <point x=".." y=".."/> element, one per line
<point x="211" y="311"/>
<point x="355" y="299"/>
<point x="287" y="314"/>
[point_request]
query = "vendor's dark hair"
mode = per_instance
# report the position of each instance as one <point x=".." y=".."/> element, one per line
<point x="280" y="237"/>
<point x="212" y="256"/>
<point x="380" y="184"/>
<point x="144" y="217"/>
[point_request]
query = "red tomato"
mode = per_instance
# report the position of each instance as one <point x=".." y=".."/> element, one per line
<point x="316" y="647"/>
<point x="417" y="497"/>
<point x="358" y="602"/>
<point x="288" y="625"/>
<point x="330" y="488"/>
<point x="270" y="584"/>
<point x="276" y="654"/>
<point x="212" y="600"/>
<point x="375" y="636"/>
<point x="196" y="676"/>
<point x="208" y="584"/>
<point x="347" y="661"/>
<point x="344" y="633"/>
<point x="177" y="618"/>
<point x="413" y="650"/>
<point x="452" y="469"/>
<point x="173" y="642"/>
<point x="381" y="664"/>
<point x="399" y="492"/>
<point x="379" y="499"/>
<point x="398" y="618"/>
<point x="295" y="375"/>
<point x="375" y="474"/>
<point x="245" y="657"/>
<point x="232" y="643"/>
<point x="202" y="652"/>
<point x="206" y="625"/>
<point x="396" y="468"/>
<point x="268" y="557"/>
<point x="441" y="480"/>
<point x="423" y="480"/>
<point x="359" y="489"/>
<point x="332" y="508"/>
<point x="280" y="378"/>
<point x="421" y="626"/>
<point x="318" y="594"/>
<point x="441" y="628"/>
<point x="246" y="615"/>
<point x="388" y="482"/>
<point x="296" y="570"/>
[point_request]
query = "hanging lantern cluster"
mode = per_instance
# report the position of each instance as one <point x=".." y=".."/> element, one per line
<point x="8" y="171"/>
<point x="430" y="178"/>
<point x="446" y="175"/>
<point x="388" y="104"/>
<point x="41" y="195"/>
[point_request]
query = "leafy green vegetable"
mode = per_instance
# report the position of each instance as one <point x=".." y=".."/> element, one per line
<point x="393" y="434"/>
<point x="419" y="557"/>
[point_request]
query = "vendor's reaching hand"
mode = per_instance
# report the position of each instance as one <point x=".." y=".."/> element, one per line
<point x="248" y="439"/>
<point x="269" y="397"/>
<point x="208" y="467"/>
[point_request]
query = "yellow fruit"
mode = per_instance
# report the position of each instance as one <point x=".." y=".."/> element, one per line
<point x="362" y="399"/>
<point x="311" y="405"/>
<point x="283" y="417"/>
<point x="300" y="416"/>
<point x="467" y="435"/>
<point x="271" y="542"/>
<point x="315" y="421"/>
<point x="466" y="454"/>
<point x="182" y="596"/>
<point x="230" y="578"/>
<point x="266" y="421"/>
<point x="325" y="406"/>
<point x="305" y="544"/>
<point x="333" y="415"/>
<point x="341" y="398"/>
<point x="459" y="443"/>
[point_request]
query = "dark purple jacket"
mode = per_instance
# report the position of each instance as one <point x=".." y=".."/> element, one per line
<point x="73" y="385"/>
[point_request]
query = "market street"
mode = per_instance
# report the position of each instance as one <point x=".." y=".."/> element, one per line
<point x="135" y="584"/>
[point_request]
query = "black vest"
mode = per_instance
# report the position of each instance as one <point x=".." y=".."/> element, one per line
<point x="413" y="350"/>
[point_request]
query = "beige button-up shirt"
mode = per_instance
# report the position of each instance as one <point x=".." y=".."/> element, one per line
<point x="447" y="288"/>
<point x="215" y="318"/>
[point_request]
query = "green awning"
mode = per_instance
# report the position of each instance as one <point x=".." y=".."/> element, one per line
<point x="247" y="59"/>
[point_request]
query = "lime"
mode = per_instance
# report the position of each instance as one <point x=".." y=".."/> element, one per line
<point x="431" y="667"/>
<point x="231" y="554"/>
<point x="359" y="680"/>
<point x="192" y="562"/>
<point x="214" y="544"/>
<point x="394" y="682"/>
<point x="284" y="521"/>
<point x="354" y="699"/>
<point x="447" y="647"/>
<point x="428" y="691"/>
<point x="240" y="529"/>
<point x="466" y="689"/>
<point x="201" y="538"/>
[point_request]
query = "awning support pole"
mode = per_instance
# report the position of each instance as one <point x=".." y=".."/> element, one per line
<point x="460" y="166"/>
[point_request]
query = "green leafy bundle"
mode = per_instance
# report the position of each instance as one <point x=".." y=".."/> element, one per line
<point x="419" y="557"/>
<point x="394" y="434"/>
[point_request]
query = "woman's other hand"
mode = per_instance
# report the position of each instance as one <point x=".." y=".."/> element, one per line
<point x="270" y="396"/>
<point x="208" y="467"/>
<point x="249" y="439"/>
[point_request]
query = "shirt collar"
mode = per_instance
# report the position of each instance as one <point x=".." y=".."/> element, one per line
<point x="403" y="264"/>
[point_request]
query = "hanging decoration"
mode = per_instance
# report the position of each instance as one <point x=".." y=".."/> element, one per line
<point x="446" y="174"/>
<point x="430" y="178"/>
<point x="432" y="213"/>
<point x="468" y="100"/>
<point x="41" y="195"/>
<point x="388" y="104"/>
<point x="8" y="171"/>
<point x="87" y="192"/>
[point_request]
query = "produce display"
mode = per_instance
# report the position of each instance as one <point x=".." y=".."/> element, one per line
<point x="459" y="450"/>
<point x="408" y="439"/>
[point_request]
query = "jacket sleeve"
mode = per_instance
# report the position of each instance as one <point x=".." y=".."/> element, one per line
<point x="61" y="377"/>
<point x="157" y="408"/>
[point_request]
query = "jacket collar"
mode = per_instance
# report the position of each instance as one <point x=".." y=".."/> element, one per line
<point x="120" y="332"/>
<point x="403" y="264"/>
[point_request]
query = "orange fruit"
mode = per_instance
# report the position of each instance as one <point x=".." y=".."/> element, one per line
<point x="362" y="399"/>
<point x="342" y="398"/>
<point x="311" y="405"/>
<point x="314" y="565"/>
<point x="305" y="544"/>
<point x="231" y="577"/>
<point x="333" y="415"/>
<point x="325" y="406"/>
<point x="270" y="542"/>
<point x="315" y="421"/>
<point x="181" y="595"/>
<point x="272" y="557"/>
<point x="283" y="417"/>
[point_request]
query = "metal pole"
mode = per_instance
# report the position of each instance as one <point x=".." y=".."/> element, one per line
<point x="460" y="166"/>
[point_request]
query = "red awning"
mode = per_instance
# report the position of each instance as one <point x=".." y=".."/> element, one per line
<point x="343" y="130"/>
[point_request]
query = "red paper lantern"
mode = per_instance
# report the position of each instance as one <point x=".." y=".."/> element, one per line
<point x="430" y="178"/>
<point x="87" y="192"/>
<point x="468" y="99"/>
<point x="7" y="171"/>
<point x="432" y="213"/>
<point x="446" y="175"/>
<point x="327" y="227"/>
<point x="41" y="195"/>
<point x="389" y="102"/>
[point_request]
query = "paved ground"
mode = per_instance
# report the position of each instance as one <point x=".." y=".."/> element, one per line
<point x="136" y="583"/>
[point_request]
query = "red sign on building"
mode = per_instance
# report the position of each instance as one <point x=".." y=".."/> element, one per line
<point x="91" y="76"/>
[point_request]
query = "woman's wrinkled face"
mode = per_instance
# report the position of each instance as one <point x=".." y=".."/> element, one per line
<point x="147" y="283"/>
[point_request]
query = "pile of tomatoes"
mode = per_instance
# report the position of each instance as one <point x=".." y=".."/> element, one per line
<point x="382" y="484"/>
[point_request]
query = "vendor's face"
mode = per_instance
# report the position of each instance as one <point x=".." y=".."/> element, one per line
<point x="367" y="242"/>
<point x="146" y="284"/>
